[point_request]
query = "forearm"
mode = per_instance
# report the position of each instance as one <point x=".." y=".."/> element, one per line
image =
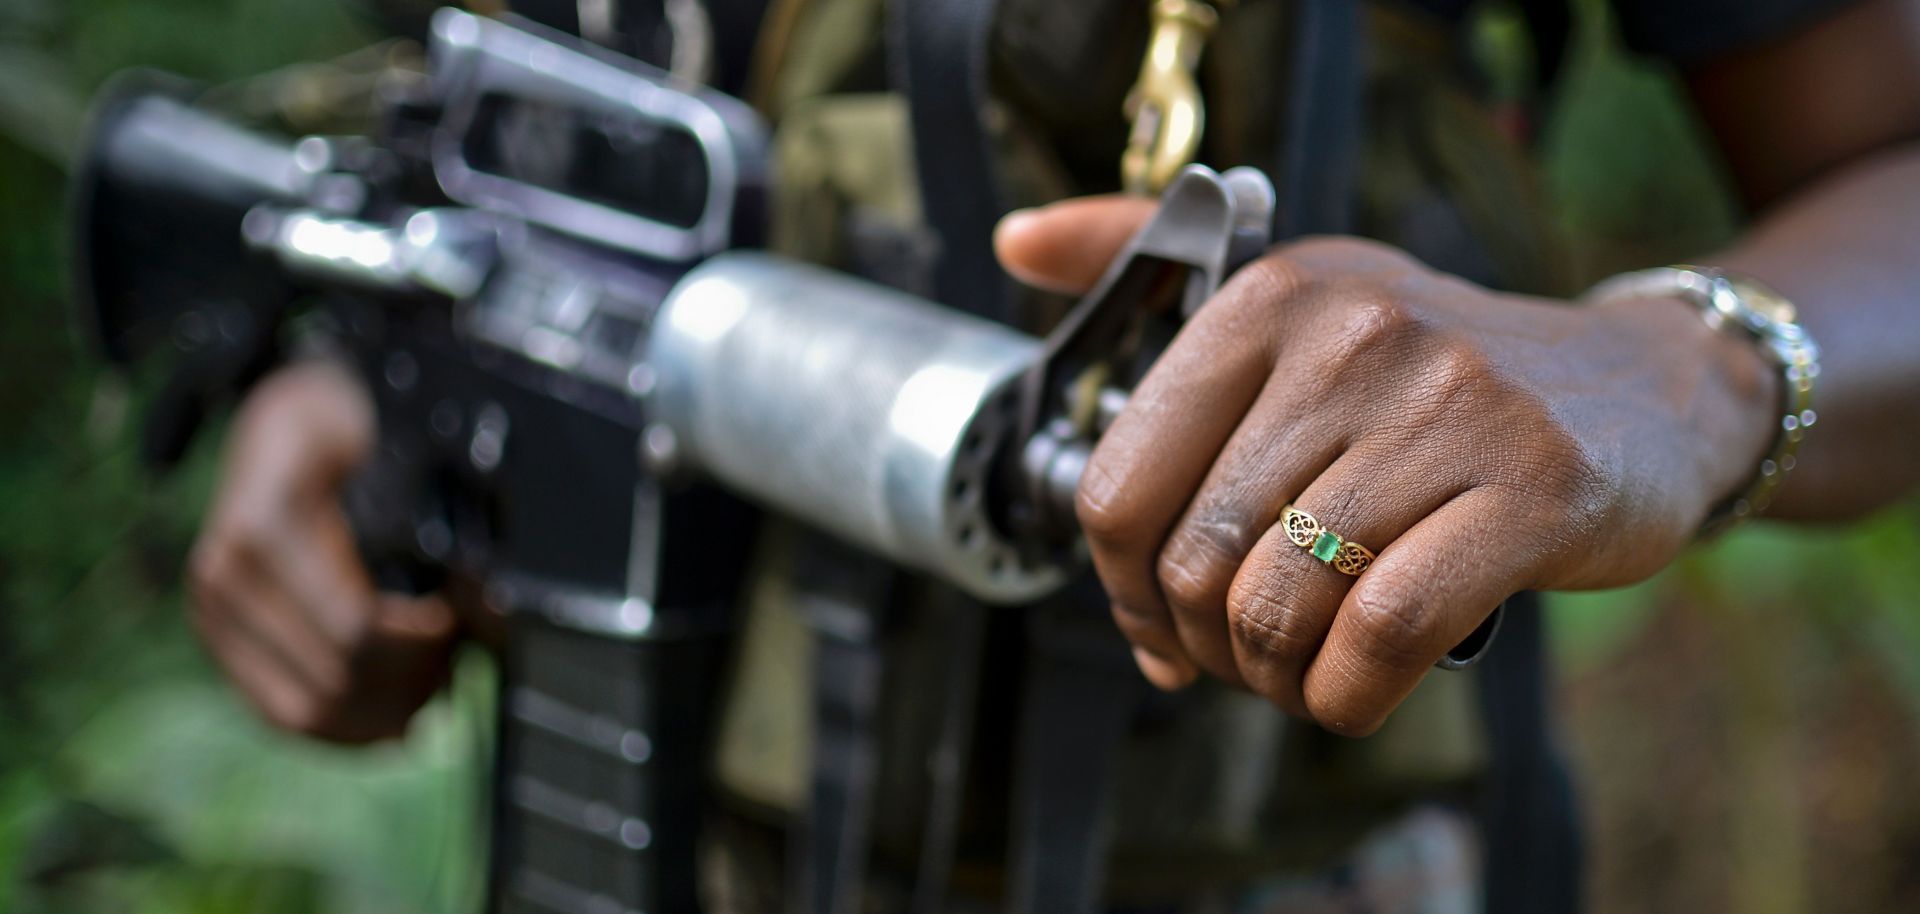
<point x="1847" y="252"/>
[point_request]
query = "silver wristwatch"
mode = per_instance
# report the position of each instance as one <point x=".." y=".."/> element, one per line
<point x="1751" y="310"/>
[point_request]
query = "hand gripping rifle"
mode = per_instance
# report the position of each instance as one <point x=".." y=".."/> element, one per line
<point x="534" y="265"/>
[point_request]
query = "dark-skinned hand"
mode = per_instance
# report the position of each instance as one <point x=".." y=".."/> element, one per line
<point x="1480" y="443"/>
<point x="281" y="596"/>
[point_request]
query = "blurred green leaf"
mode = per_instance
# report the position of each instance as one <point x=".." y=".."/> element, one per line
<point x="76" y="837"/>
<point x="387" y="826"/>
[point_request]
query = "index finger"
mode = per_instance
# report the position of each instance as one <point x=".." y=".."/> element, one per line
<point x="1147" y="467"/>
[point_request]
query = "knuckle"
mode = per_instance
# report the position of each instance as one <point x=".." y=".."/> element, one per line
<point x="1395" y="629"/>
<point x="1463" y="373"/>
<point x="1267" y="618"/>
<point x="1370" y="321"/>
<point x="1196" y="566"/>
<point x="1101" y="506"/>
<point x="1275" y="278"/>
<point x="1460" y="386"/>
<point x="1188" y="582"/>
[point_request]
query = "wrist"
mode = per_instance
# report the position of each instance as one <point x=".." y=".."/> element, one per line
<point x="1744" y="310"/>
<point x="1749" y="385"/>
<point x="1723" y="394"/>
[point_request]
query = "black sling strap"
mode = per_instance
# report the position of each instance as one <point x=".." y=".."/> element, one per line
<point x="938" y="54"/>
<point x="1081" y="696"/>
<point x="847" y="598"/>
<point x="1528" y="821"/>
<point x="965" y="634"/>
<point x="940" y="58"/>
<point x="1080" y="692"/>
<point x="1320" y="139"/>
<point x="848" y="669"/>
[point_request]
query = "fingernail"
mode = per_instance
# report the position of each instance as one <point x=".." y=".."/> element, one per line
<point x="1011" y="221"/>
<point x="1166" y="673"/>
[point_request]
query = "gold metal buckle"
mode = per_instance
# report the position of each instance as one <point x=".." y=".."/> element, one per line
<point x="1165" y="106"/>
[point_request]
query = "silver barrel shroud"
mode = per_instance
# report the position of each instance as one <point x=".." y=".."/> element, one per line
<point x="867" y="412"/>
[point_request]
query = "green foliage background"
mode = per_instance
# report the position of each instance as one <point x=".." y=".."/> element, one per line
<point x="1745" y="721"/>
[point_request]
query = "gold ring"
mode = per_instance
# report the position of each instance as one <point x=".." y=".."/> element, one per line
<point x="1345" y="556"/>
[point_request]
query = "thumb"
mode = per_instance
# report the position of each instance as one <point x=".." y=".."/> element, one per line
<point x="1065" y="246"/>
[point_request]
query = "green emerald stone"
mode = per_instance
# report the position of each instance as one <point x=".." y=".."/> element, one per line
<point x="1325" y="545"/>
